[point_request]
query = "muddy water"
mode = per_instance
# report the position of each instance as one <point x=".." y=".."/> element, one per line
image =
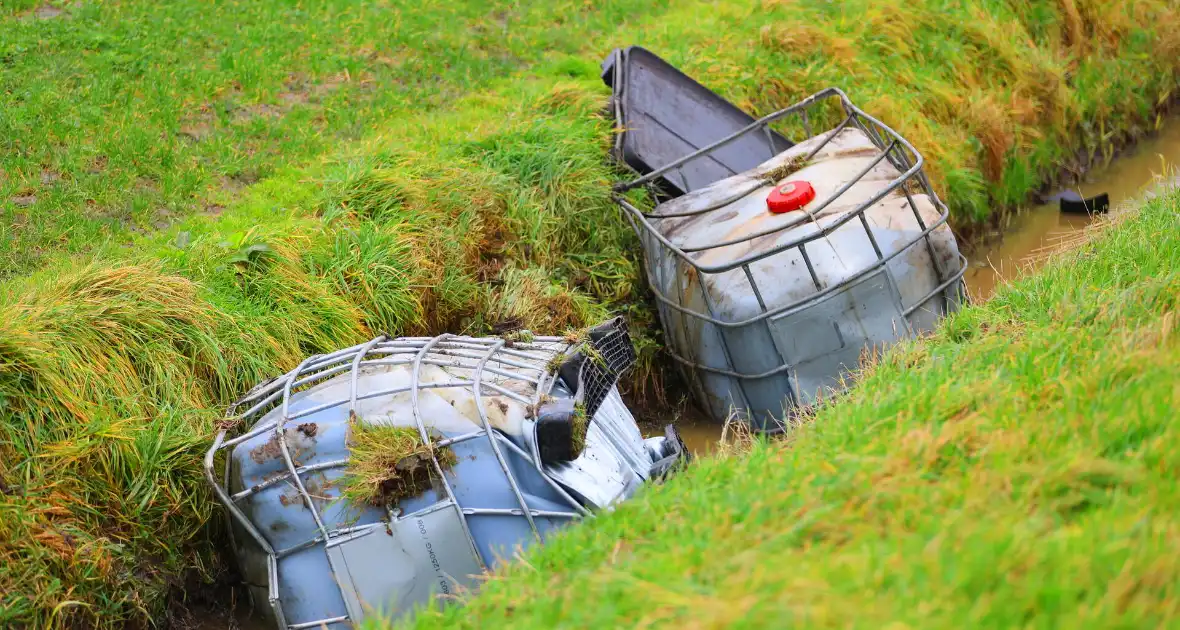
<point x="1022" y="245"/>
<point x="1032" y="234"/>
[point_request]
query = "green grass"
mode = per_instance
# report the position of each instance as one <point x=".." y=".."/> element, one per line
<point x="123" y="117"/>
<point x="330" y="170"/>
<point x="1016" y="469"/>
<point x="387" y="464"/>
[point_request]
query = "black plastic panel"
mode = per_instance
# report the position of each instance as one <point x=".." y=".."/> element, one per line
<point x="665" y="116"/>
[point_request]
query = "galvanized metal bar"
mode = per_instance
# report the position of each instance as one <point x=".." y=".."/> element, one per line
<point x="798" y="304"/>
<point x="544" y="385"/>
<point x="253" y="395"/>
<point x="455" y="358"/>
<point x="939" y="270"/>
<point x="303" y="470"/>
<point x="460" y="439"/>
<point x="415" y="379"/>
<point x="307" y="544"/>
<point x="952" y="280"/>
<point x="483" y="419"/>
<point x="552" y="484"/>
<point x="227" y="501"/>
<point x="480" y="341"/>
<point x="516" y="512"/>
<point x="504" y="391"/>
<point x="680" y="295"/>
<point x="872" y="239"/>
<point x="849" y="107"/>
<point x="831" y="135"/>
<point x="760" y="375"/>
<point x="752" y="188"/>
<point x="272" y="589"/>
<point x="513" y="351"/>
<point x="811" y="212"/>
<point x="810" y="267"/>
<point x="452" y="364"/>
<point x="430" y="509"/>
<point x="356" y="373"/>
<point x="226" y="480"/>
<point x="770" y="139"/>
<point x="375" y="394"/>
<point x="754" y="287"/>
<point x="320" y="538"/>
<point x="871" y="134"/>
<point x="401" y="390"/>
<point x="712" y="269"/>
<point x="280" y="435"/>
<point x="724" y="344"/>
<point x="317" y="624"/>
<point x="724" y="372"/>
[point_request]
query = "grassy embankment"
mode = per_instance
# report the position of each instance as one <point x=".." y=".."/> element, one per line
<point x="112" y="372"/>
<point x="124" y="117"/>
<point x="1016" y="469"/>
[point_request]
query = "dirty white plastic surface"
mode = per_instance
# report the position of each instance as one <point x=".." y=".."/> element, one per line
<point x="822" y="341"/>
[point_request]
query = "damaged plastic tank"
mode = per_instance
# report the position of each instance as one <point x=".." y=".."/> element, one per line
<point x="384" y="475"/>
<point x="772" y="282"/>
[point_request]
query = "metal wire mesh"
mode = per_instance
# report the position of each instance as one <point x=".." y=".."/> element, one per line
<point x="486" y="367"/>
<point x="891" y="148"/>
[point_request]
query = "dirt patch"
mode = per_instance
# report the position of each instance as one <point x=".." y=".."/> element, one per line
<point x="49" y="177"/>
<point x="196" y="132"/>
<point x="269" y="450"/>
<point x="162" y="218"/>
<point x="220" y="604"/>
<point x="47" y="12"/>
<point x="246" y="113"/>
<point x="24" y="201"/>
<point x="213" y="210"/>
<point x="198" y="125"/>
<point x="97" y="165"/>
<point x="234" y="184"/>
<point x="298" y="90"/>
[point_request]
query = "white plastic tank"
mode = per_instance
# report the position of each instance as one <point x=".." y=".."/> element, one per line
<point x="773" y="282"/>
<point x="503" y="413"/>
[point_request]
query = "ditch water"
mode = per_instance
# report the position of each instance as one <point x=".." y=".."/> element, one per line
<point x="1021" y="245"/>
<point x="1030" y="235"/>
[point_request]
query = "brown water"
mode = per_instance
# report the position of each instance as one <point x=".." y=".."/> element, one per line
<point x="1022" y="245"/>
<point x="1032" y="234"/>
<point x="700" y="434"/>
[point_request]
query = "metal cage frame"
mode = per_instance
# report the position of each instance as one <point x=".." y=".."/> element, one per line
<point x="891" y="146"/>
<point x="527" y="362"/>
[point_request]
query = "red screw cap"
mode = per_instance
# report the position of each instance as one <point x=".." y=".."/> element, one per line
<point x="789" y="196"/>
